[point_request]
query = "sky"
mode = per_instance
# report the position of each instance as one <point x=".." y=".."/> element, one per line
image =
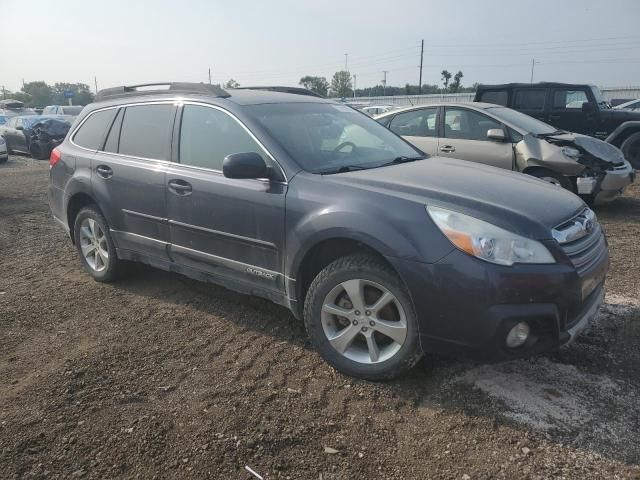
<point x="276" y="42"/>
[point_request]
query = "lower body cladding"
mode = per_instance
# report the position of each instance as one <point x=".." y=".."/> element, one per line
<point x="613" y="184"/>
<point x="469" y="307"/>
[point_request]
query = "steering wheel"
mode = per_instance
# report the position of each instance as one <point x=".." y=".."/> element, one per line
<point x="345" y="144"/>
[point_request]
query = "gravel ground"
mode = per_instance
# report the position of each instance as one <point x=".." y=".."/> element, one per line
<point x="159" y="376"/>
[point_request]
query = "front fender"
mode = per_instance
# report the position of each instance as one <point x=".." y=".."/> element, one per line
<point x="622" y="131"/>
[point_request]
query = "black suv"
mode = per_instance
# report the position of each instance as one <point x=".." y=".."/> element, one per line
<point x="571" y="107"/>
<point x="383" y="252"/>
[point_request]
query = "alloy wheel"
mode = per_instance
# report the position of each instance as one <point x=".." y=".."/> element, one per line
<point x="93" y="244"/>
<point x="364" y="321"/>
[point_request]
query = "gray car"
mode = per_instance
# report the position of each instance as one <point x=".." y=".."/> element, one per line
<point x="505" y="138"/>
<point x="382" y="252"/>
<point x="4" y="155"/>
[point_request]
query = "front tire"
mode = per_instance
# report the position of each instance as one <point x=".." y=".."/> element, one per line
<point x="360" y="318"/>
<point x="95" y="246"/>
<point x="631" y="150"/>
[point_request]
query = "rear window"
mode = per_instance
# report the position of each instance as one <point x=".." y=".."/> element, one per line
<point x="529" y="99"/>
<point x="146" y="131"/>
<point x="498" y="97"/>
<point x="92" y="131"/>
<point x="71" y="110"/>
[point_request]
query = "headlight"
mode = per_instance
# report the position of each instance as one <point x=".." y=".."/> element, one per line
<point x="571" y="152"/>
<point x="486" y="241"/>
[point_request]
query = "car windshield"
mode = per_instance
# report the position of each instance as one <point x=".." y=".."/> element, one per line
<point x="598" y="97"/>
<point x="522" y="121"/>
<point x="331" y="138"/>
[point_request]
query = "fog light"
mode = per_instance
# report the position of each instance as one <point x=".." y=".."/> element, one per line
<point x="518" y="335"/>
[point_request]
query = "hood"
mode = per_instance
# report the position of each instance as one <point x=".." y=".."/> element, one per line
<point x="592" y="149"/>
<point x="620" y="114"/>
<point x="514" y="201"/>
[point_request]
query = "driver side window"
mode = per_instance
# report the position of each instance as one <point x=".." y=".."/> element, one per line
<point x="467" y="124"/>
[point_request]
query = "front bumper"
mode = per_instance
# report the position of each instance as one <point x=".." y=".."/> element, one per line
<point x="466" y="306"/>
<point x="614" y="183"/>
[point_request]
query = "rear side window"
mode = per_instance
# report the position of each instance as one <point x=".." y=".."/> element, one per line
<point x="529" y="99"/>
<point x="207" y="135"/>
<point x="498" y="97"/>
<point x="111" y="145"/>
<point x="146" y="131"/>
<point x="92" y="131"/>
<point x="416" y="123"/>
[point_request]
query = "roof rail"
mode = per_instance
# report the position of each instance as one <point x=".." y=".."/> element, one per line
<point x="167" y="87"/>
<point x="281" y="89"/>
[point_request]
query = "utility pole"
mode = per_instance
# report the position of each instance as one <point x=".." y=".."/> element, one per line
<point x="533" y="65"/>
<point x="346" y="64"/>
<point x="209" y="75"/>
<point x="421" y="58"/>
<point x="95" y="82"/>
<point x="384" y="82"/>
<point x="4" y="93"/>
<point x="354" y="85"/>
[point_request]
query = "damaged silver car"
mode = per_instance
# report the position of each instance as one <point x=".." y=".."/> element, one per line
<point x="506" y="138"/>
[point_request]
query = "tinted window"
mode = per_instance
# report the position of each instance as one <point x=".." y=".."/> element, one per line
<point x="146" y="131"/>
<point x="92" y="131"/>
<point x="207" y="135"/>
<point x="416" y="123"/>
<point x="467" y="124"/>
<point x="499" y="97"/>
<point x="529" y="99"/>
<point x="111" y="145"/>
<point x="569" y="99"/>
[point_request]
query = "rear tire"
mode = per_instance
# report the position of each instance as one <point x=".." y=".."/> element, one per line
<point x="631" y="150"/>
<point x="361" y="320"/>
<point x="95" y="246"/>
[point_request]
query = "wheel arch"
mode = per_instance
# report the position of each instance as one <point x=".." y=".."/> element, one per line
<point x="622" y="132"/>
<point x="77" y="202"/>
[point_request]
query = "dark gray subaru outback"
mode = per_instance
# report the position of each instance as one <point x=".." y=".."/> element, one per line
<point x="383" y="252"/>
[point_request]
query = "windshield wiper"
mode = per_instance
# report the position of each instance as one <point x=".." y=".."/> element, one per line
<point x="401" y="159"/>
<point x="342" y="169"/>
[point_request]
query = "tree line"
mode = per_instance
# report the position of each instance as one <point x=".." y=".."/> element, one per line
<point x="41" y="94"/>
<point x="341" y="85"/>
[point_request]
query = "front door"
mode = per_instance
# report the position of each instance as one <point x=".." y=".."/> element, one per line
<point x="419" y="127"/>
<point x="464" y="136"/>
<point x="566" y="111"/>
<point x="229" y="228"/>
<point x="129" y="178"/>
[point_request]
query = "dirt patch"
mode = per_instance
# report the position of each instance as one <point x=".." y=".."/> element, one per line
<point x="159" y="376"/>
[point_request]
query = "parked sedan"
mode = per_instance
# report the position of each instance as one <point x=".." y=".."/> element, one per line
<point x="506" y="138"/>
<point x="17" y="132"/>
<point x="62" y="110"/>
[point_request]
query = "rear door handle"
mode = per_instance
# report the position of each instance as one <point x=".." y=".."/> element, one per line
<point x="180" y="187"/>
<point x="447" y="149"/>
<point x="104" y="171"/>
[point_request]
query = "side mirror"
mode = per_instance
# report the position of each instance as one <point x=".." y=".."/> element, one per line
<point x="245" y="165"/>
<point x="19" y="127"/>
<point x="496" y="134"/>
<point x="587" y="107"/>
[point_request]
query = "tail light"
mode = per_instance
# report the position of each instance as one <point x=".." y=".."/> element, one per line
<point x="55" y="157"/>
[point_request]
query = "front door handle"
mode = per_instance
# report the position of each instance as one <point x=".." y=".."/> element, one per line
<point x="447" y="149"/>
<point x="180" y="187"/>
<point x="104" y="171"/>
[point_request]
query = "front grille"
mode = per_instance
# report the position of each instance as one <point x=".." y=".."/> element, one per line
<point x="587" y="251"/>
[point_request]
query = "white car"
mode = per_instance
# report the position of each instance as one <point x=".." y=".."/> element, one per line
<point x="632" y="105"/>
<point x="372" y="110"/>
<point x="4" y="156"/>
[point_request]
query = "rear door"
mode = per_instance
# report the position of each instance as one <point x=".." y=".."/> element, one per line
<point x="419" y="127"/>
<point x="531" y="101"/>
<point x="464" y="136"/>
<point x="129" y="177"/>
<point x="230" y="228"/>
<point x="566" y="110"/>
